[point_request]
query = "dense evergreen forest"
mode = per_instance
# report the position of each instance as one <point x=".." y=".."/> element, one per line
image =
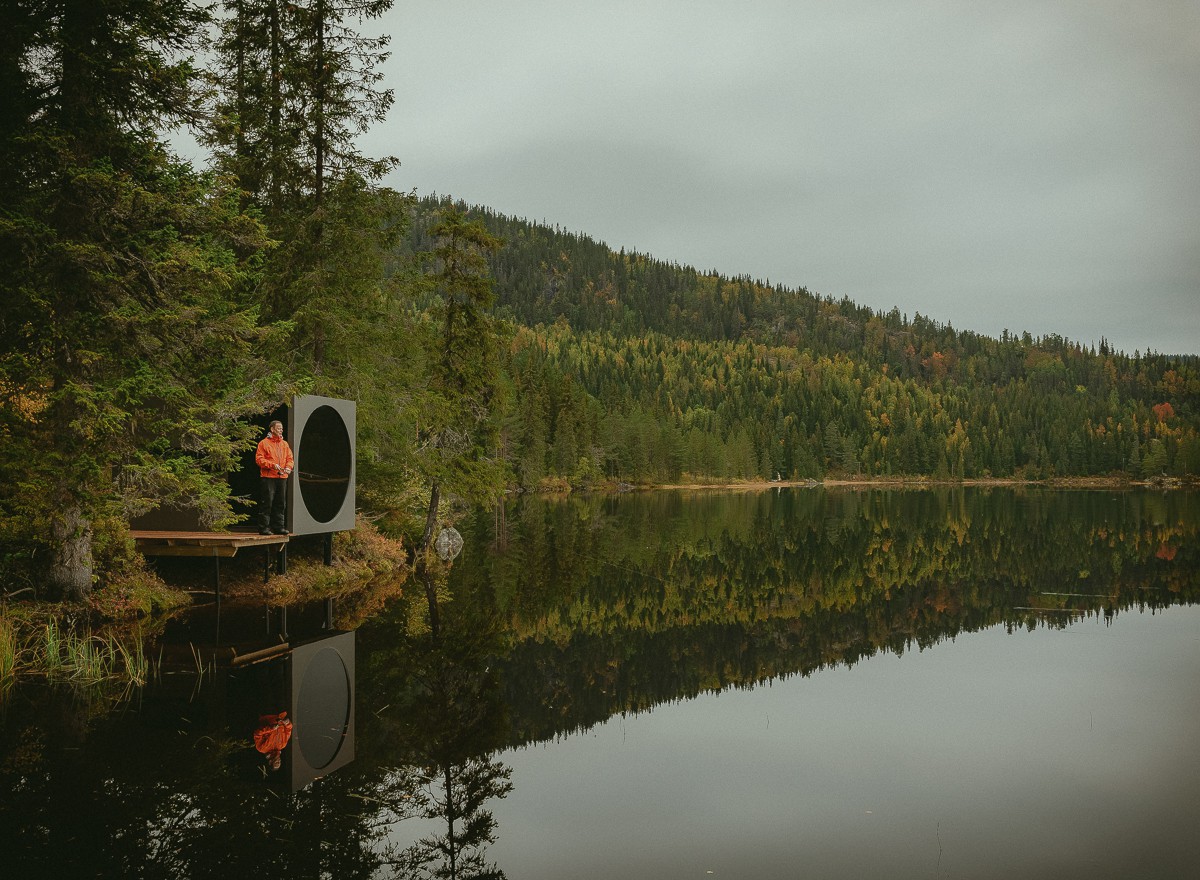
<point x="628" y="367"/>
<point x="153" y="309"/>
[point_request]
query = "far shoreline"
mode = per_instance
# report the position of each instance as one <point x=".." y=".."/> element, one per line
<point x="1107" y="482"/>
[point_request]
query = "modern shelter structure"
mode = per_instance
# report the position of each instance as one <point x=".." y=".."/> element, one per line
<point x="321" y="431"/>
<point x="321" y="492"/>
<point x="320" y="679"/>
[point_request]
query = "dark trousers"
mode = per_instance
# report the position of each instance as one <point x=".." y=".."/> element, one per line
<point x="272" y="503"/>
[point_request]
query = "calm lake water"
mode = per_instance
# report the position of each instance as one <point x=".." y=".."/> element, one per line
<point x="793" y="683"/>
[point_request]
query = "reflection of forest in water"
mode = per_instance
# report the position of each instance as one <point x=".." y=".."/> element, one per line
<point x="616" y="604"/>
<point x="559" y="615"/>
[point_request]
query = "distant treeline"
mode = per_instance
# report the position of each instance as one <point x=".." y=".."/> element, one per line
<point x="628" y="367"/>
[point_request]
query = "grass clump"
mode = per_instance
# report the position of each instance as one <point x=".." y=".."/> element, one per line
<point x="133" y="594"/>
<point x="42" y="644"/>
<point x="10" y="653"/>
<point x="369" y="569"/>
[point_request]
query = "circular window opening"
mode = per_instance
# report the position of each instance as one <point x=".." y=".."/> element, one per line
<point x="323" y="708"/>
<point x="324" y="464"/>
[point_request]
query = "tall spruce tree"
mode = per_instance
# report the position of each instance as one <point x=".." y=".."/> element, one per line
<point x="296" y="83"/>
<point x="458" y="411"/>
<point x="341" y="80"/>
<point x="127" y="353"/>
<point x="255" y="128"/>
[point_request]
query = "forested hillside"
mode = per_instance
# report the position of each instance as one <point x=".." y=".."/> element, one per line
<point x="626" y="367"/>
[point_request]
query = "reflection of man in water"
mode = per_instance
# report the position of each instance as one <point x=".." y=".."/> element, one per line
<point x="272" y="737"/>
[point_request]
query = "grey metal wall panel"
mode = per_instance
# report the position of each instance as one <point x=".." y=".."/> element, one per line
<point x="321" y="491"/>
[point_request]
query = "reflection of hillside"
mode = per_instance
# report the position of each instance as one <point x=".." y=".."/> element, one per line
<point x="618" y="604"/>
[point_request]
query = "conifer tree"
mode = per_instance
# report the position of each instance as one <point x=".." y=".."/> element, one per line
<point x="255" y="127"/>
<point x="458" y="422"/>
<point x="295" y="85"/>
<point x="127" y="350"/>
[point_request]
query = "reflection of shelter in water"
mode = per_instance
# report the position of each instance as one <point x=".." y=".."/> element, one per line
<point x="321" y="680"/>
<point x="263" y="672"/>
<point x="313" y="682"/>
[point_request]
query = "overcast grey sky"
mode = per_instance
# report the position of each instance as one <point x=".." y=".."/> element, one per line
<point x="1030" y="165"/>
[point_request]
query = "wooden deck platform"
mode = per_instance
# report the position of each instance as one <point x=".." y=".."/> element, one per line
<point x="164" y="543"/>
<point x="212" y="545"/>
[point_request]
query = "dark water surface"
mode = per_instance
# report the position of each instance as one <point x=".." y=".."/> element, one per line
<point x="794" y="683"/>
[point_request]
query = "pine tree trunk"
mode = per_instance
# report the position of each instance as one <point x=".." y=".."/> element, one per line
<point x="320" y="78"/>
<point x="71" y="566"/>
<point x="431" y="517"/>
<point x="435" y="618"/>
<point x="275" y="113"/>
<point x="239" y="90"/>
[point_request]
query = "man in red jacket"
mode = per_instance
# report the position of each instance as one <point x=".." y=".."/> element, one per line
<point x="274" y="460"/>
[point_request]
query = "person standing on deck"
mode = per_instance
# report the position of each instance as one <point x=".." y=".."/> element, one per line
<point x="275" y="462"/>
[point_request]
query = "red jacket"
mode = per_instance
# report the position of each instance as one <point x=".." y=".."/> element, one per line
<point x="273" y="451"/>
<point x="273" y="733"/>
